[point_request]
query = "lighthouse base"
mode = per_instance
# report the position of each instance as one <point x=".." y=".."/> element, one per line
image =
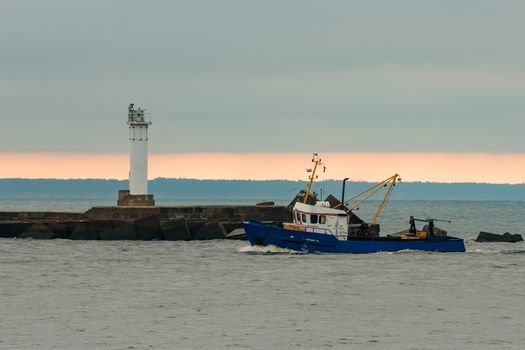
<point x="125" y="199"/>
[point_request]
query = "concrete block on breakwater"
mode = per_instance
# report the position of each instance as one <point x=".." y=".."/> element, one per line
<point x="13" y="229"/>
<point x="176" y="230"/>
<point x="211" y="230"/>
<point x="84" y="231"/>
<point x="493" y="237"/>
<point x="148" y="228"/>
<point x="122" y="233"/>
<point x="38" y="231"/>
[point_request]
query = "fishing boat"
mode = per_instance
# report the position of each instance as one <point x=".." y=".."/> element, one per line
<point x="325" y="227"/>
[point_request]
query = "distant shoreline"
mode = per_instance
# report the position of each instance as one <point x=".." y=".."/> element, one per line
<point x="279" y="190"/>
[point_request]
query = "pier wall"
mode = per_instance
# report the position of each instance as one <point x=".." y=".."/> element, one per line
<point x="40" y="216"/>
<point x="141" y="223"/>
<point x="200" y="212"/>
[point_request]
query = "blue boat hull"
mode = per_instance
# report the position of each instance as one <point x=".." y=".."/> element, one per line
<point x="263" y="234"/>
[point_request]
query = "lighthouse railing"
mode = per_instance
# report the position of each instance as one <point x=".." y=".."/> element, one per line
<point x="140" y="119"/>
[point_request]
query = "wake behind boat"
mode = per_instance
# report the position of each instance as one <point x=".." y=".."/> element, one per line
<point x="322" y="226"/>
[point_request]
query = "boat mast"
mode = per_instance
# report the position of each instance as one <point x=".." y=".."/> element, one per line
<point x="317" y="161"/>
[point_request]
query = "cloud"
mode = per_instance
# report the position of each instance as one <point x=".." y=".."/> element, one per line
<point x="234" y="76"/>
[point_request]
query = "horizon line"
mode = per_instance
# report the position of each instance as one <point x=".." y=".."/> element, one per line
<point x="259" y="180"/>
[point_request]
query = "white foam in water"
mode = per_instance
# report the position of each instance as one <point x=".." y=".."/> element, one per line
<point x="493" y="247"/>
<point x="269" y="249"/>
<point x="406" y="251"/>
<point x="482" y="251"/>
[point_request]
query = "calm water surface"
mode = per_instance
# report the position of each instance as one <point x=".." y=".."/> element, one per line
<point x="62" y="294"/>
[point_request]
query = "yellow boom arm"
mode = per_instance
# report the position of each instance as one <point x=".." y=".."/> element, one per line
<point x="370" y="192"/>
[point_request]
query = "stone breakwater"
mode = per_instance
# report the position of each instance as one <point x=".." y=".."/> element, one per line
<point x="140" y="223"/>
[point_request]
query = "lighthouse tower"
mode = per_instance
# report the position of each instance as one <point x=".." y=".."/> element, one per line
<point x="138" y="122"/>
<point x="138" y="135"/>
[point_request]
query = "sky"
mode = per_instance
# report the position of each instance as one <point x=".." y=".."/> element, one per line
<point x="439" y="84"/>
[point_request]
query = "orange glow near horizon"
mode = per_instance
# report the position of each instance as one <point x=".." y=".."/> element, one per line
<point x="432" y="167"/>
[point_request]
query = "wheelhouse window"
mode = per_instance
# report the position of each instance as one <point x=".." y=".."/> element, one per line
<point x="298" y="216"/>
<point x="322" y="219"/>
<point x="303" y="217"/>
<point x="313" y="219"/>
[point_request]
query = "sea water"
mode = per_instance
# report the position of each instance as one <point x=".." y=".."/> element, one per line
<point x="62" y="294"/>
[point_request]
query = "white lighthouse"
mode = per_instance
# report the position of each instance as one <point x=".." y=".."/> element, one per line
<point x="138" y="135"/>
<point x="138" y="122"/>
